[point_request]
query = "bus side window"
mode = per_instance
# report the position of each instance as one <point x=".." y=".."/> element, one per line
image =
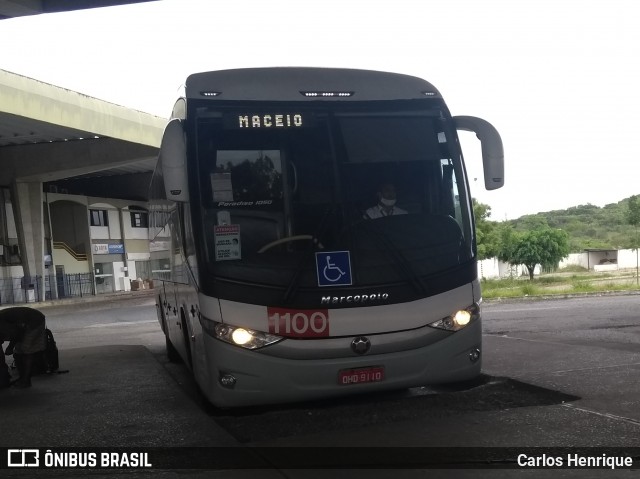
<point x="448" y="205"/>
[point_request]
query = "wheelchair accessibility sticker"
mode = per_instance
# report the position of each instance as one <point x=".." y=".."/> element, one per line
<point x="333" y="268"/>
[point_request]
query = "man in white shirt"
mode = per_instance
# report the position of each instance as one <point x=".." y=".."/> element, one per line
<point x="386" y="203"/>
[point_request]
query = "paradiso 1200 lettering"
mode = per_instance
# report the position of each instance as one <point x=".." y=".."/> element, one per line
<point x="278" y="120"/>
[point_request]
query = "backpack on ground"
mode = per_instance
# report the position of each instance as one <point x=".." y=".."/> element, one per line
<point x="50" y="355"/>
<point x="44" y="362"/>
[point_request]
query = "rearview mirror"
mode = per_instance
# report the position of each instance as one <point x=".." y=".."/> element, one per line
<point x="173" y="161"/>
<point x="492" y="151"/>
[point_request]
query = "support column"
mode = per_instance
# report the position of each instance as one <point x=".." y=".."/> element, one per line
<point x="28" y="212"/>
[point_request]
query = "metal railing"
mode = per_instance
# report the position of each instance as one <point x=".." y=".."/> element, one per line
<point x="28" y="290"/>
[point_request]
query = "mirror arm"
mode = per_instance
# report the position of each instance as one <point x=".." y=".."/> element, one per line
<point x="492" y="149"/>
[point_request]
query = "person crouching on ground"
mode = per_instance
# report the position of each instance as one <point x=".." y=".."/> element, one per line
<point x="24" y="329"/>
<point x="5" y="376"/>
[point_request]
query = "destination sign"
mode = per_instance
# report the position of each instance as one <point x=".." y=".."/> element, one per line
<point x="265" y="120"/>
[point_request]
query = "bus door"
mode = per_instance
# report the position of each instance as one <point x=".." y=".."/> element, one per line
<point x="176" y="325"/>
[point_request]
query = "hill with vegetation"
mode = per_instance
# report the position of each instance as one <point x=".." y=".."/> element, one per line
<point x="588" y="226"/>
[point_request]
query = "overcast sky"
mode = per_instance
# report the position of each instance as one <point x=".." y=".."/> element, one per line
<point x="559" y="79"/>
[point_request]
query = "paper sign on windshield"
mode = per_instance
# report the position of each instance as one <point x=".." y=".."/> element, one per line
<point x="227" y="241"/>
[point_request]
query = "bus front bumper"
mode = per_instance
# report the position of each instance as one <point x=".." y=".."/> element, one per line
<point x="241" y="377"/>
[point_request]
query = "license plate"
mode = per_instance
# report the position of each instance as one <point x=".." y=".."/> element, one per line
<point x="373" y="374"/>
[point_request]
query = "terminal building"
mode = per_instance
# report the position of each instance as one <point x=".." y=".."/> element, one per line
<point x="74" y="173"/>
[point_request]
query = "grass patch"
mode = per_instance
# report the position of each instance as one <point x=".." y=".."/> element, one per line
<point x="530" y="289"/>
<point x="556" y="283"/>
<point x="500" y="283"/>
<point x="583" y="287"/>
<point x="550" y="280"/>
<point x="574" y="268"/>
<point x="620" y="287"/>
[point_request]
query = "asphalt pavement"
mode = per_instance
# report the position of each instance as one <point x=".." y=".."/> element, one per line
<point x="108" y="395"/>
<point x="122" y="396"/>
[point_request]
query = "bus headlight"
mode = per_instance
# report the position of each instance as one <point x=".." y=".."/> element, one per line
<point x="459" y="319"/>
<point x="241" y="336"/>
<point x="238" y="336"/>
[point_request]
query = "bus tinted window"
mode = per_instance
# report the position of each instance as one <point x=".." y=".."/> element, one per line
<point x="389" y="139"/>
<point x="248" y="177"/>
<point x="275" y="196"/>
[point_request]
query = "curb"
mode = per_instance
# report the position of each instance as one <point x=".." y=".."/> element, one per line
<point x="116" y="296"/>
<point x="544" y="297"/>
<point x="127" y="295"/>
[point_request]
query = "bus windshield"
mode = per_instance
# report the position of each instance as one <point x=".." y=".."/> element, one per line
<point x="281" y="184"/>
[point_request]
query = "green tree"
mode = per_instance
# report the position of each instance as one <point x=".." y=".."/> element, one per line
<point x="532" y="222"/>
<point x="508" y="239"/>
<point x="486" y="238"/>
<point x="543" y="246"/>
<point x="633" y="218"/>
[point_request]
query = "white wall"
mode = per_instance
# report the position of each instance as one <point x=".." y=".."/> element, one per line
<point x="112" y="231"/>
<point x="627" y="258"/>
<point x="99" y="232"/>
<point x="15" y="272"/>
<point x="493" y="268"/>
<point x="121" y="283"/>
<point x="574" y="259"/>
<point x="133" y="273"/>
<point x="71" y="266"/>
<point x="114" y="224"/>
<point x="488" y="268"/>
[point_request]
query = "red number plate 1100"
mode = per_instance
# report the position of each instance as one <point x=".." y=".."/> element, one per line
<point x="371" y="374"/>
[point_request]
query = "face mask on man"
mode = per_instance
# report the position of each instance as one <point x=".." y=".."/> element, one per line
<point x="386" y="202"/>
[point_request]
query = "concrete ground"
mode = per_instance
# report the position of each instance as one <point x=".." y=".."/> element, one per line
<point x="123" y="396"/>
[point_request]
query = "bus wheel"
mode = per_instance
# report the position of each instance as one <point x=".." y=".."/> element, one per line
<point x="172" y="352"/>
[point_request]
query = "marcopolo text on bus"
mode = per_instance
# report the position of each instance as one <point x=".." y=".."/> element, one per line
<point x="358" y="298"/>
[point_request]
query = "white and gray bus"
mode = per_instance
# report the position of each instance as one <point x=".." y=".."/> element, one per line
<point x="274" y="284"/>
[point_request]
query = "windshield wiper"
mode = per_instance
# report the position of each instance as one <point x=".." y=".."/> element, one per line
<point x="395" y="254"/>
<point x="292" y="287"/>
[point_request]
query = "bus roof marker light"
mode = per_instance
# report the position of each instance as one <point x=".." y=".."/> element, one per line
<point x="210" y="93"/>
<point x="429" y="93"/>
<point x="327" y="94"/>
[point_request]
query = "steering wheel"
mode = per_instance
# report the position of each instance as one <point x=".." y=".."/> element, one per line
<point x="288" y="239"/>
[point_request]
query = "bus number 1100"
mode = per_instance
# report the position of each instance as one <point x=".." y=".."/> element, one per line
<point x="295" y="323"/>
